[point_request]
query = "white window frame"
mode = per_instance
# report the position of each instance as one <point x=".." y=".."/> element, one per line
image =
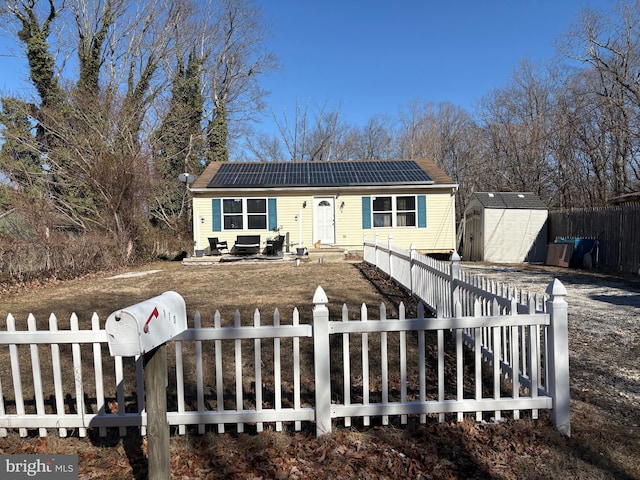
<point x="394" y="211"/>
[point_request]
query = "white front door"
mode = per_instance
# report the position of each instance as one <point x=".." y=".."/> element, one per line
<point x="324" y="220"/>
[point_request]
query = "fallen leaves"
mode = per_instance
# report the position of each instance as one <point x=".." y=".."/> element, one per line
<point x="604" y="445"/>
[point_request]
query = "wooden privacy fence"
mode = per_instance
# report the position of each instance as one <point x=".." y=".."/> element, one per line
<point x="254" y="374"/>
<point x="616" y="228"/>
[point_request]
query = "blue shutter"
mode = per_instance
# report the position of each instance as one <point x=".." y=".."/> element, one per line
<point x="422" y="211"/>
<point x="366" y="212"/>
<point x="216" y="215"/>
<point x="273" y="214"/>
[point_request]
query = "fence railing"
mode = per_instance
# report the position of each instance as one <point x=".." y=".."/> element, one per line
<point x="248" y="374"/>
<point x="439" y="284"/>
<point x="452" y="293"/>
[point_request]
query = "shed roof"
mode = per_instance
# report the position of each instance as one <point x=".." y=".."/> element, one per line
<point x="510" y="200"/>
<point x="322" y="174"/>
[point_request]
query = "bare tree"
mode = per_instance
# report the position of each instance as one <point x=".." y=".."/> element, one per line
<point x="374" y="141"/>
<point x="306" y="138"/>
<point x="446" y="134"/>
<point x="91" y="141"/>
<point x="96" y="119"/>
<point x="265" y="148"/>
<point x="568" y="166"/>
<point x="234" y="59"/>
<point x="609" y="44"/>
<point x="411" y="141"/>
<point x="32" y="22"/>
<point x="593" y="140"/>
<point x="453" y="138"/>
<point x="518" y="124"/>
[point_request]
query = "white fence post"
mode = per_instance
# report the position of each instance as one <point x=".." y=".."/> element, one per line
<point x="390" y="255"/>
<point x="375" y="249"/>
<point x="412" y="257"/>
<point x="322" y="366"/>
<point x="558" y="351"/>
<point x="455" y="275"/>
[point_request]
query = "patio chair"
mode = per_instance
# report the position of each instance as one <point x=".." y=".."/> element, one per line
<point x="215" y="246"/>
<point x="247" y="244"/>
<point x="274" y="246"/>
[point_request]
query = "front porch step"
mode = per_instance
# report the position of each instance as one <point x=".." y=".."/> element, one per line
<point x="333" y="254"/>
<point x="324" y="254"/>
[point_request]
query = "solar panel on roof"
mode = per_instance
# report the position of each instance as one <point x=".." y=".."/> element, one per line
<point x="318" y="173"/>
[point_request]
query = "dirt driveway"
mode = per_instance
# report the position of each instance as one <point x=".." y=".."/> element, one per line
<point x="604" y="323"/>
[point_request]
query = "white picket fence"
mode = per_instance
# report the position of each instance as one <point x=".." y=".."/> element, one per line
<point x="265" y="376"/>
<point x="442" y="285"/>
<point x="452" y="293"/>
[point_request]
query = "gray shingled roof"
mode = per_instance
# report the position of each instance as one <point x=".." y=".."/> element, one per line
<point x="325" y="174"/>
<point x="510" y="200"/>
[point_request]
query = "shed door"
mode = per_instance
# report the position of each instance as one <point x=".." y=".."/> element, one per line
<point x="324" y="220"/>
<point x="473" y="236"/>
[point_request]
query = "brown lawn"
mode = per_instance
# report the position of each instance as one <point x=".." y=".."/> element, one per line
<point x="605" y="443"/>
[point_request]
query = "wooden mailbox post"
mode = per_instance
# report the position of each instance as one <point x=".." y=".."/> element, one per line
<point x="144" y="329"/>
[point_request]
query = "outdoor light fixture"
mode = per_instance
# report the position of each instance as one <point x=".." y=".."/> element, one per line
<point x="341" y="206"/>
<point x="304" y="204"/>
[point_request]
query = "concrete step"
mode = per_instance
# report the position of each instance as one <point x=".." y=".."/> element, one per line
<point x="315" y="255"/>
<point x="330" y="254"/>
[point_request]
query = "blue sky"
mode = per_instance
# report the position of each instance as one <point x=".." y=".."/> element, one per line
<point x="373" y="57"/>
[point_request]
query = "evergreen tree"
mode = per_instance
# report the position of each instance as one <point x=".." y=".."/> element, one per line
<point x="217" y="135"/>
<point x="178" y="144"/>
<point x="20" y="160"/>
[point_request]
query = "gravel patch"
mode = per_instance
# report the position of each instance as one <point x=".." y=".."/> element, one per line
<point x="604" y="331"/>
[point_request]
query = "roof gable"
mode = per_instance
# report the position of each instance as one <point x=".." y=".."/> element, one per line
<point x="510" y="200"/>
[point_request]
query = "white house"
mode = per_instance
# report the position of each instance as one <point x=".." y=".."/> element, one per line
<point x="505" y="227"/>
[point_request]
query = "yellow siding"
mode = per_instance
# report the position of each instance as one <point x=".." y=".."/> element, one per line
<point x="288" y="207"/>
<point x="439" y="236"/>
<point x="202" y="230"/>
<point x="292" y="216"/>
<point x="349" y="231"/>
<point x="298" y="222"/>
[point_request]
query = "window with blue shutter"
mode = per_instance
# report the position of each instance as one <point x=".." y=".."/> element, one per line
<point x="216" y="213"/>
<point x="273" y="214"/>
<point x="366" y="212"/>
<point x="422" y="211"/>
